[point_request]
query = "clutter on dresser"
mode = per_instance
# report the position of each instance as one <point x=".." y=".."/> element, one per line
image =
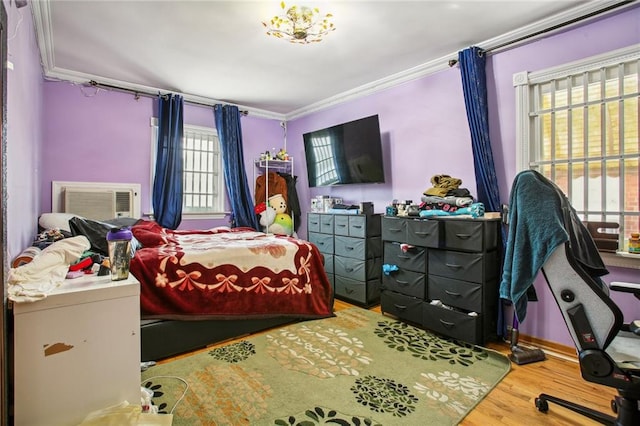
<point x="444" y="198"/>
<point x="324" y="203"/>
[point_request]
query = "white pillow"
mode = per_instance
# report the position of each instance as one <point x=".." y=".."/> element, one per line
<point x="56" y="220"/>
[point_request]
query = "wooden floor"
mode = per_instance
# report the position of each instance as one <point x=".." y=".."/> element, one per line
<point x="512" y="402"/>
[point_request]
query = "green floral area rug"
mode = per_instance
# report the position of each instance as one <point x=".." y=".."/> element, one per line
<point x="358" y="368"/>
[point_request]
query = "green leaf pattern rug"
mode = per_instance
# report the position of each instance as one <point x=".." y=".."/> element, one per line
<point x="357" y="368"/>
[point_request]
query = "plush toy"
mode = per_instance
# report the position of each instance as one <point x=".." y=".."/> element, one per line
<point x="282" y="155"/>
<point x="274" y="222"/>
<point x="278" y="203"/>
<point x="267" y="215"/>
<point x="282" y="224"/>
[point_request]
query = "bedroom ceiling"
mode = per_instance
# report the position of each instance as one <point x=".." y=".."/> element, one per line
<point x="217" y="51"/>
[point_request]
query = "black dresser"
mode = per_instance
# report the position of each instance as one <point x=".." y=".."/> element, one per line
<point x="447" y="274"/>
<point x="352" y="249"/>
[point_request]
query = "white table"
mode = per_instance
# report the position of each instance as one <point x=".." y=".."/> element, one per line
<point x="77" y="351"/>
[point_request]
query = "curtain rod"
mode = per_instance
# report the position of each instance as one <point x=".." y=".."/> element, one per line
<point x="139" y="93"/>
<point x="453" y="62"/>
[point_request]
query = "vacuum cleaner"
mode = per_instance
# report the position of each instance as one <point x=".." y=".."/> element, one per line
<point x="519" y="354"/>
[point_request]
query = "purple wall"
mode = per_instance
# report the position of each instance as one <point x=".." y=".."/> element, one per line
<point x="24" y="130"/>
<point x="106" y="137"/>
<point x="425" y="132"/>
<point x="423" y="124"/>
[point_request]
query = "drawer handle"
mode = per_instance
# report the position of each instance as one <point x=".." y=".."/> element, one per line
<point x="349" y="248"/>
<point x="423" y="233"/>
<point x="400" y="307"/>
<point x="348" y="290"/>
<point x="463" y="236"/>
<point x="349" y="269"/>
<point x="454" y="266"/>
<point x="395" y="230"/>
<point x="447" y="323"/>
<point x="314" y="223"/>
<point x="403" y="257"/>
<point x="451" y="293"/>
<point x="320" y="243"/>
<point x="341" y="225"/>
<point x="402" y="282"/>
<point x="357" y="226"/>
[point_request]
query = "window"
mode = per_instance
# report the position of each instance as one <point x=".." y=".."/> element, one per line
<point x="202" y="162"/>
<point x="578" y="126"/>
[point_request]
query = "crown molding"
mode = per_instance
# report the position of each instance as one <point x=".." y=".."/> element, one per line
<point x="591" y="10"/>
<point x="522" y="35"/>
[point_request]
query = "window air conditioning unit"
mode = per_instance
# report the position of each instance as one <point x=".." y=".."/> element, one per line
<point x="97" y="203"/>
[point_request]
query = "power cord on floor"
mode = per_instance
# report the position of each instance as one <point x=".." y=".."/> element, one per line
<point x="184" y="393"/>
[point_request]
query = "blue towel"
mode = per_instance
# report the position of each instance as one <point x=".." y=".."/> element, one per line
<point x="536" y="229"/>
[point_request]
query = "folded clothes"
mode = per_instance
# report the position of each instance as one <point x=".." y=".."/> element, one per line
<point x="442" y="184"/>
<point x="453" y="201"/>
<point x="474" y="210"/>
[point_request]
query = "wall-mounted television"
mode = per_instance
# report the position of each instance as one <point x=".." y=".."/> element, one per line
<point x="348" y="153"/>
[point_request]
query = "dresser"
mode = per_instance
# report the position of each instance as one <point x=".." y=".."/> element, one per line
<point x="352" y="249"/>
<point x="443" y="274"/>
<point x="77" y="351"/>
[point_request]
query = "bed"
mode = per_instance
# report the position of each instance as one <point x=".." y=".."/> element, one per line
<point x="199" y="287"/>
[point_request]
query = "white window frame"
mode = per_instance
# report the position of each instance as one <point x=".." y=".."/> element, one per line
<point x="217" y="211"/>
<point x="526" y="135"/>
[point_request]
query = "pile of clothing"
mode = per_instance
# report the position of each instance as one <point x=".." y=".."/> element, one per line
<point x="58" y="253"/>
<point x="446" y="195"/>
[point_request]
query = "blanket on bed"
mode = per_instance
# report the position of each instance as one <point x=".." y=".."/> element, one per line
<point x="228" y="273"/>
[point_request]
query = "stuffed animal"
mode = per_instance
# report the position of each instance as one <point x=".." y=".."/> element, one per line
<point x="282" y="224"/>
<point x="282" y="155"/>
<point x="273" y="222"/>
<point x="278" y="203"/>
<point x="267" y="215"/>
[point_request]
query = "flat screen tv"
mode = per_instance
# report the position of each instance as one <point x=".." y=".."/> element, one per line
<point x="348" y="153"/>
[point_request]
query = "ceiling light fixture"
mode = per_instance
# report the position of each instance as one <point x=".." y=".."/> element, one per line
<point x="300" y="24"/>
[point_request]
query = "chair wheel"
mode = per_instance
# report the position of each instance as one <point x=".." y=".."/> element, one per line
<point x="542" y="405"/>
<point x="614" y="406"/>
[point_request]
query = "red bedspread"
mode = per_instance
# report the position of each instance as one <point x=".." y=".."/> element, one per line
<point x="228" y="273"/>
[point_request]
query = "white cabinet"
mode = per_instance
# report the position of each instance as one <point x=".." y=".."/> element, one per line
<point x="77" y="351"/>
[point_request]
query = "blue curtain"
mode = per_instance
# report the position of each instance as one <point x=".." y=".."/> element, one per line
<point x="474" y="84"/>
<point x="472" y="67"/>
<point x="230" y="135"/>
<point x="167" y="183"/>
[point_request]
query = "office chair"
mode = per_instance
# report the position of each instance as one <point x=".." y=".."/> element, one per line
<point x="608" y="350"/>
<point x="545" y="234"/>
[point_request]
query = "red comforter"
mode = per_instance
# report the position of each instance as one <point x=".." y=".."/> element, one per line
<point x="228" y="273"/>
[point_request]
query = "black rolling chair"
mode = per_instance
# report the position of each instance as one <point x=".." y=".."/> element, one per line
<point x="608" y="349"/>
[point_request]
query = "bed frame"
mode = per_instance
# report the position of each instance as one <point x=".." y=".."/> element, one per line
<point x="161" y="339"/>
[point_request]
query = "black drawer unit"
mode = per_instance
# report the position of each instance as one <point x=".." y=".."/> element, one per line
<point x="405" y="307"/>
<point x="355" y="247"/>
<point x="447" y="274"/>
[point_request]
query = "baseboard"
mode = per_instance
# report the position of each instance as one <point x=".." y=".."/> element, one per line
<point x="550" y="348"/>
